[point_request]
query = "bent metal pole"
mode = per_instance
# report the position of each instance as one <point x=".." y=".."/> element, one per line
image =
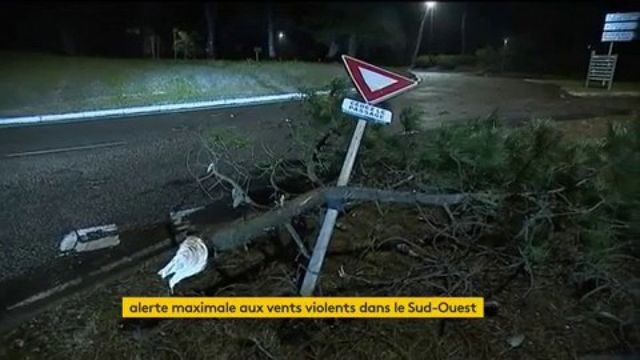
<point x="374" y="84"/>
<point x="320" y="249"/>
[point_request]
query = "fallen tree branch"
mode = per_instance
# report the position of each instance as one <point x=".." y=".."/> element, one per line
<point x="297" y="239"/>
<point x="242" y="232"/>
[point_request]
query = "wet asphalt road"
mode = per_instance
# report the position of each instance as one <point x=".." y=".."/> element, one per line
<point x="448" y="97"/>
<point x="131" y="171"/>
<point x="127" y="171"/>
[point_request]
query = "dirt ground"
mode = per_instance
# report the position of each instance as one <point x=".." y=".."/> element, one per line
<point x="390" y="250"/>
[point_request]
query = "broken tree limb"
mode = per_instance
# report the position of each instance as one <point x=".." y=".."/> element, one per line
<point x="20" y="302"/>
<point x="297" y="239"/>
<point x="241" y="232"/>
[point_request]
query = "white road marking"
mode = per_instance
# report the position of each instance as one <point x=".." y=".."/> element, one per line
<point x="613" y="93"/>
<point x="45" y="294"/>
<point x="67" y="149"/>
<point x="165" y="243"/>
<point x="154" y="109"/>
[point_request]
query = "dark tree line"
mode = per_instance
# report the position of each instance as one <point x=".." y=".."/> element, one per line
<point x="219" y="30"/>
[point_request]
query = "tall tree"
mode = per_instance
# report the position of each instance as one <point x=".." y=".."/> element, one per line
<point x="352" y="48"/>
<point x="463" y="31"/>
<point x="272" y="47"/>
<point x="354" y="28"/>
<point x="68" y="40"/>
<point x="419" y="40"/>
<point x="210" y="10"/>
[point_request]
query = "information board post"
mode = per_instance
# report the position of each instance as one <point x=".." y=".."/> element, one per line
<point x="618" y="27"/>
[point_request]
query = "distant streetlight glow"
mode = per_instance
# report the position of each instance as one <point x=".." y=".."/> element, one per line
<point x="429" y="10"/>
<point x="505" y="42"/>
<point x="280" y="35"/>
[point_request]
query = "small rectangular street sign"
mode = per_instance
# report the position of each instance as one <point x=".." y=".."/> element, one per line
<point x="366" y="111"/>
<point x="621" y="27"/>
<point x="630" y="16"/>
<point x="618" y="26"/>
<point x="618" y="36"/>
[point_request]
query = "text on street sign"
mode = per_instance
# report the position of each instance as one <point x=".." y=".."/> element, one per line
<point x="621" y="27"/>
<point x="630" y="16"/>
<point x="618" y="36"/>
<point x="366" y="111"/>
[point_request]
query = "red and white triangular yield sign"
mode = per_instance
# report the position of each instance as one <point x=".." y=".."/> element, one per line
<point x="374" y="83"/>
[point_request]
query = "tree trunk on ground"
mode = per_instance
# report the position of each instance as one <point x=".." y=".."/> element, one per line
<point x="210" y="15"/>
<point x="353" y="45"/>
<point x="333" y="50"/>
<point x="243" y="231"/>
<point x="272" y="48"/>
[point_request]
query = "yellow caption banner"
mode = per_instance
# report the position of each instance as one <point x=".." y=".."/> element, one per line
<point x="302" y="307"/>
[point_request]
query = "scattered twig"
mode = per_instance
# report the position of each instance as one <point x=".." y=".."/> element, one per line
<point x="261" y="348"/>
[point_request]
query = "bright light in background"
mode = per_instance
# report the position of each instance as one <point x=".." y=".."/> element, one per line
<point x="505" y="41"/>
<point x="280" y="35"/>
<point x="430" y="4"/>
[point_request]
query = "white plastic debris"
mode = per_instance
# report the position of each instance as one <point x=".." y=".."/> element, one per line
<point x="69" y="242"/>
<point x="98" y="244"/>
<point x="190" y="259"/>
<point x="90" y="239"/>
<point x="515" y="340"/>
<point x="239" y="197"/>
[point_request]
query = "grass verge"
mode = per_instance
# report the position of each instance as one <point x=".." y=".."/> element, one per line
<point x="34" y="84"/>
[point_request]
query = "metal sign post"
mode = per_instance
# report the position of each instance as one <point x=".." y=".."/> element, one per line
<point x="320" y="249"/>
<point x="374" y="84"/>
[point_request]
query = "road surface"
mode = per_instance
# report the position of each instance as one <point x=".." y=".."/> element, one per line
<point x="57" y="178"/>
<point x="447" y="97"/>
<point x="131" y="171"/>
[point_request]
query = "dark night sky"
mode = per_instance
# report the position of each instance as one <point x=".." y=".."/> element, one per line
<point x="97" y="28"/>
